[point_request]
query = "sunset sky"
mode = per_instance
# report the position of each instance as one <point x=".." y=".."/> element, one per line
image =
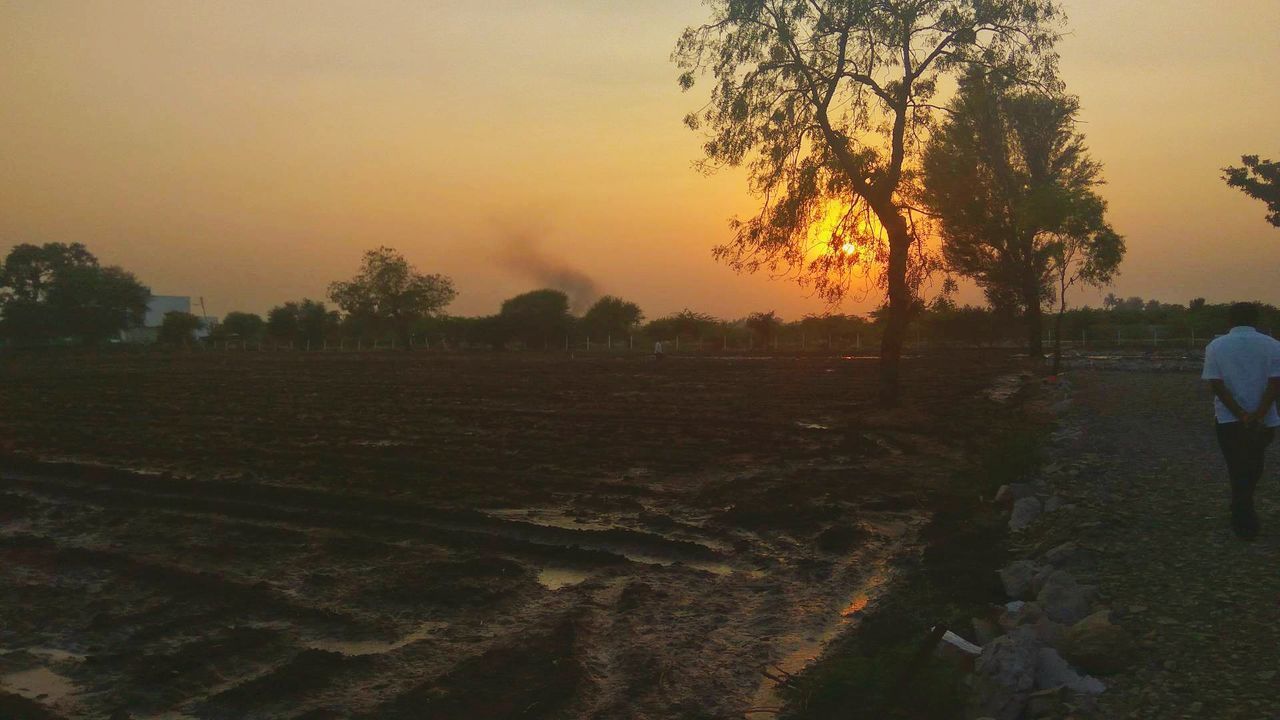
<point x="249" y="152"/>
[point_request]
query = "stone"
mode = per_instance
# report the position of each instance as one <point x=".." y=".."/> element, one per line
<point x="1008" y="494"/>
<point x="1005" y="675"/>
<point x="1025" y="512"/>
<point x="984" y="631"/>
<point x="1041" y="577"/>
<point x="1052" y="504"/>
<point x="1017" y="614"/>
<point x="1048" y="631"/>
<point x="1061" y="554"/>
<point x="1063" y="599"/>
<point x="1016" y="578"/>
<point x="1096" y="645"/>
<point x="1044" y="703"/>
<point x="1053" y="671"/>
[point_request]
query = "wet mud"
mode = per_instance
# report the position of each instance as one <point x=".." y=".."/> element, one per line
<point x="412" y="535"/>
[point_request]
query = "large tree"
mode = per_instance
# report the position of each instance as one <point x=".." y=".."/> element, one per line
<point x="305" y="322"/>
<point x="389" y="291"/>
<point x="242" y="325"/>
<point x="537" y="318"/>
<point x="1014" y="189"/>
<point x="1260" y="180"/>
<point x="826" y="103"/>
<point x="60" y="290"/>
<point x="611" y="316"/>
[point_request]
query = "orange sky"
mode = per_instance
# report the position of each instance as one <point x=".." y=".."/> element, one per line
<point x="248" y="152"/>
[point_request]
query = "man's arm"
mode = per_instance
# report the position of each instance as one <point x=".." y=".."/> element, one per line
<point x="1268" y="398"/>
<point x="1220" y="391"/>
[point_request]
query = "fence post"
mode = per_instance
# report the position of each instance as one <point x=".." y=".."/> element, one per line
<point x="608" y="339"/>
<point x="677" y="342"/>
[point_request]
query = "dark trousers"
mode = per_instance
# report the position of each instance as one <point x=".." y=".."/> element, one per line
<point x="1244" y="449"/>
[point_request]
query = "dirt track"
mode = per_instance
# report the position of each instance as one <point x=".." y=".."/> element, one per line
<point x="390" y="535"/>
<point x="1201" y="603"/>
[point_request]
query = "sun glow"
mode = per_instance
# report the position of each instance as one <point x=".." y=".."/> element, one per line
<point x="843" y="230"/>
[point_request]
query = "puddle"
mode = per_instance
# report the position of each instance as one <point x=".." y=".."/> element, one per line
<point x="801" y="648"/>
<point x="40" y="684"/>
<point x="1005" y="387"/>
<point x="378" y="647"/>
<point x="55" y="654"/>
<point x="708" y="567"/>
<point x="548" y="518"/>
<point x="553" y="578"/>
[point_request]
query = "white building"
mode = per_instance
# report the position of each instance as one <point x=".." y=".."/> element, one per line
<point x="157" y="307"/>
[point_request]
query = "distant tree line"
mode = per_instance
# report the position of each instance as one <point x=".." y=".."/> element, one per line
<point x="60" y="293"/>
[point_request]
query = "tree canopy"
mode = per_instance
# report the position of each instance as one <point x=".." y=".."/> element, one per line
<point x="59" y="290"/>
<point x="1014" y="189"/>
<point x="302" y="322"/>
<point x="826" y="103"/>
<point x="243" y="325"/>
<point x="536" y="318"/>
<point x="611" y="315"/>
<point x="179" y="328"/>
<point x="1260" y="180"/>
<point x="389" y="290"/>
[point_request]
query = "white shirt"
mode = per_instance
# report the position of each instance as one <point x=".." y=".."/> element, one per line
<point x="1243" y="359"/>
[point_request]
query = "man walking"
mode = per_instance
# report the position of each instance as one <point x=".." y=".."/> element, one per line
<point x="1243" y="370"/>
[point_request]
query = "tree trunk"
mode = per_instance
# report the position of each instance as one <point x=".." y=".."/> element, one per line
<point x="1035" y="328"/>
<point x="899" y="310"/>
<point x="1057" y="339"/>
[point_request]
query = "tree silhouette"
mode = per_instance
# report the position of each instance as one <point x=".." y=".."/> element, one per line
<point x="389" y="291"/>
<point x="1014" y="190"/>
<point x="612" y="316"/>
<point x="179" y="328"/>
<point x="60" y="290"/>
<point x="1259" y="179"/>
<point x="764" y="326"/>
<point x="307" y="322"/>
<point x="536" y="318"/>
<point x="245" y="326"/>
<point x="826" y="101"/>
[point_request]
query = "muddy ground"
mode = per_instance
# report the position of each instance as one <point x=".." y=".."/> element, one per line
<point x="390" y="535"/>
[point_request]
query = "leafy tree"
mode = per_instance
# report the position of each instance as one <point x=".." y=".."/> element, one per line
<point x="764" y="326"/>
<point x="60" y="290"/>
<point x="612" y="316"/>
<point x="536" y="318"/>
<point x="179" y="328"/>
<point x="1014" y="189"/>
<point x="684" y="324"/>
<point x="246" y="326"/>
<point x="825" y="101"/>
<point x="390" y="291"/>
<point x="304" y="322"/>
<point x="1086" y="255"/>
<point x="1260" y="180"/>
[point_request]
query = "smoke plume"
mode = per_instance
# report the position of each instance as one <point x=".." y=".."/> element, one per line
<point x="524" y="256"/>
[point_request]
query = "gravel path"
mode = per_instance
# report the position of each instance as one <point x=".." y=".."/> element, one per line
<point x="1204" y="606"/>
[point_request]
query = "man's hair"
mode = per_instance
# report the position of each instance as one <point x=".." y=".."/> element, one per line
<point x="1243" y="313"/>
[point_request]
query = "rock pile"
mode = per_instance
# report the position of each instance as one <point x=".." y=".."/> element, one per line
<point x="1044" y="647"/>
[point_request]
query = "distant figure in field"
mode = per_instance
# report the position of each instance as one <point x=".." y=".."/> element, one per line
<point x="657" y="350"/>
<point x="1243" y="370"/>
